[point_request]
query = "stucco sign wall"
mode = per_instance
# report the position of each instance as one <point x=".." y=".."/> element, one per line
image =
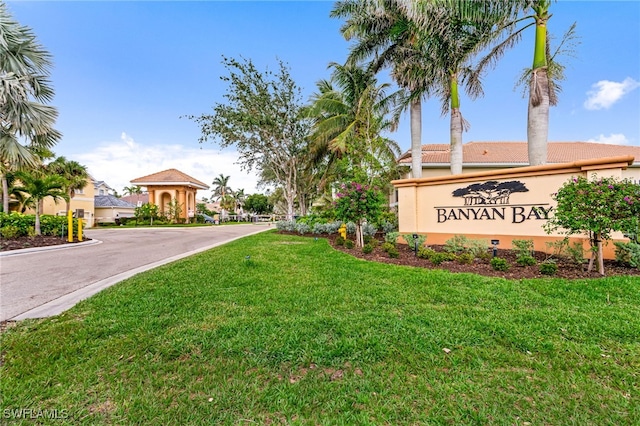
<point x="506" y="204"/>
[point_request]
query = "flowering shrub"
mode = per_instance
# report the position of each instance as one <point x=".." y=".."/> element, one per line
<point x="597" y="207"/>
<point x="358" y="203"/>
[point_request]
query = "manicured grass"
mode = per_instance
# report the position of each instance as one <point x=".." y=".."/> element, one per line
<point x="299" y="333"/>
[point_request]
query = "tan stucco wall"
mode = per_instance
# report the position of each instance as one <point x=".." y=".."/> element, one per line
<point x="161" y="195"/>
<point x="428" y="206"/>
<point x="109" y="214"/>
<point x="84" y="200"/>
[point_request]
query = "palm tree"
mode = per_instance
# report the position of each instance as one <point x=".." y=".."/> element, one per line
<point x="506" y="15"/>
<point x="221" y="189"/>
<point x="349" y="113"/>
<point x="132" y="190"/>
<point x="37" y="187"/>
<point x="75" y="176"/>
<point x="239" y="197"/>
<point x="24" y="89"/>
<point x="384" y="31"/>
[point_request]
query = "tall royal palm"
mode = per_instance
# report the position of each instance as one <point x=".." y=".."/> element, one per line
<point x="36" y="187"/>
<point x="508" y="18"/>
<point x="74" y="175"/>
<point x="26" y="121"/>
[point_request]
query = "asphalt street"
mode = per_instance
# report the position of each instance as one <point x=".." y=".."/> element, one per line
<point x="39" y="283"/>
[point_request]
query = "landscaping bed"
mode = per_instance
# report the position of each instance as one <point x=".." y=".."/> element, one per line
<point x="35" y="241"/>
<point x="406" y="256"/>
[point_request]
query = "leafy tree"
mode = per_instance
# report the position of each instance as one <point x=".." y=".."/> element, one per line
<point x="145" y="212"/>
<point x="174" y="210"/>
<point x="262" y="118"/>
<point x="74" y="174"/>
<point x="24" y="92"/>
<point x="596" y="207"/>
<point x="357" y="203"/>
<point x="37" y="187"/>
<point x="258" y="204"/>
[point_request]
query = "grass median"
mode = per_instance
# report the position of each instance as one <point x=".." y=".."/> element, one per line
<point x="278" y="329"/>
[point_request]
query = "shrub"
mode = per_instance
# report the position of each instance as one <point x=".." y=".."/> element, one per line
<point x="367" y="248"/>
<point x="466" y="258"/>
<point x="351" y="228"/>
<point x="456" y="244"/>
<point x="478" y="248"/>
<point x="391" y="237"/>
<point x="499" y="264"/>
<point x="526" y="260"/>
<point x="425" y="252"/>
<point x="339" y="240"/>
<point x="303" y="228"/>
<point x="286" y="225"/>
<point x="440" y="257"/>
<point x="522" y="247"/>
<point x="628" y="254"/>
<point x="368" y="230"/>
<point x="548" y="267"/>
<point x="9" y="232"/>
<point x="393" y="252"/>
<point x="389" y="226"/>
<point x="411" y="242"/>
<point x="386" y="246"/>
<point x="349" y="244"/>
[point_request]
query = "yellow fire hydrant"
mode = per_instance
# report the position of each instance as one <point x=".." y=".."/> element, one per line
<point x="343" y="231"/>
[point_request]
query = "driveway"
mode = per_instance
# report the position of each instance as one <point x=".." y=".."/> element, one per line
<point x="37" y="284"/>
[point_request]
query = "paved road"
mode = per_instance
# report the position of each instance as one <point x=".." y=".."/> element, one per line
<point x="37" y="284"/>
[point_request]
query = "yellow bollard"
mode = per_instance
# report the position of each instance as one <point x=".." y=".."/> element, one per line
<point x="79" y="229"/>
<point x="70" y="226"/>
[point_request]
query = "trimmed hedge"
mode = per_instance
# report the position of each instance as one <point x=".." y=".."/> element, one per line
<point x="21" y="225"/>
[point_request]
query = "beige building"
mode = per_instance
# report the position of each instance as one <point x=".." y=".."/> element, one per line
<point x="168" y="185"/>
<point x="84" y="199"/>
<point x="490" y="156"/>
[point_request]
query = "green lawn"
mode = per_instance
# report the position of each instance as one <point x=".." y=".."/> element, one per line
<point x="302" y="334"/>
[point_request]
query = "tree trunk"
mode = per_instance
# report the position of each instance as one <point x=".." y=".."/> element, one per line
<point x="416" y="138"/>
<point x="37" y="225"/>
<point x="456" y="142"/>
<point x="538" y="111"/>
<point x="5" y="194"/>
<point x="359" y="236"/>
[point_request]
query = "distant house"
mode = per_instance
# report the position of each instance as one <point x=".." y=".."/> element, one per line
<point x="108" y="208"/>
<point x="136" y="199"/>
<point x="487" y="156"/>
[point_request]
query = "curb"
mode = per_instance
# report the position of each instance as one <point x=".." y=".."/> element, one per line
<point x="47" y="248"/>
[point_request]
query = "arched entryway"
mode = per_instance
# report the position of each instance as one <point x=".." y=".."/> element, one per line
<point x="172" y="186"/>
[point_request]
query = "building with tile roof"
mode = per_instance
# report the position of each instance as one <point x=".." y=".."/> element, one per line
<point x="172" y="184"/>
<point x="486" y="156"/>
<point x="108" y="208"/>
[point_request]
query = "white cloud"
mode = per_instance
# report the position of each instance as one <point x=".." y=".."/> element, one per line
<point x="612" y="139"/>
<point x="117" y="163"/>
<point x="605" y="93"/>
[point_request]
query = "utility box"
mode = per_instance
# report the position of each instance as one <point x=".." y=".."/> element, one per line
<point x="79" y="213"/>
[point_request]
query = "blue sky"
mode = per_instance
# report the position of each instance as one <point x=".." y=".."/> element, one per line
<point x="125" y="72"/>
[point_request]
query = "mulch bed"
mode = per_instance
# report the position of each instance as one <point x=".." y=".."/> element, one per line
<point x="35" y="241"/>
<point x="407" y="257"/>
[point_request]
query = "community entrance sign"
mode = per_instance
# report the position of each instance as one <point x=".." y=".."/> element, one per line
<point x="504" y="204"/>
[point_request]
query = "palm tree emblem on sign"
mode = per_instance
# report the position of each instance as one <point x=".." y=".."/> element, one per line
<point x="490" y="192"/>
